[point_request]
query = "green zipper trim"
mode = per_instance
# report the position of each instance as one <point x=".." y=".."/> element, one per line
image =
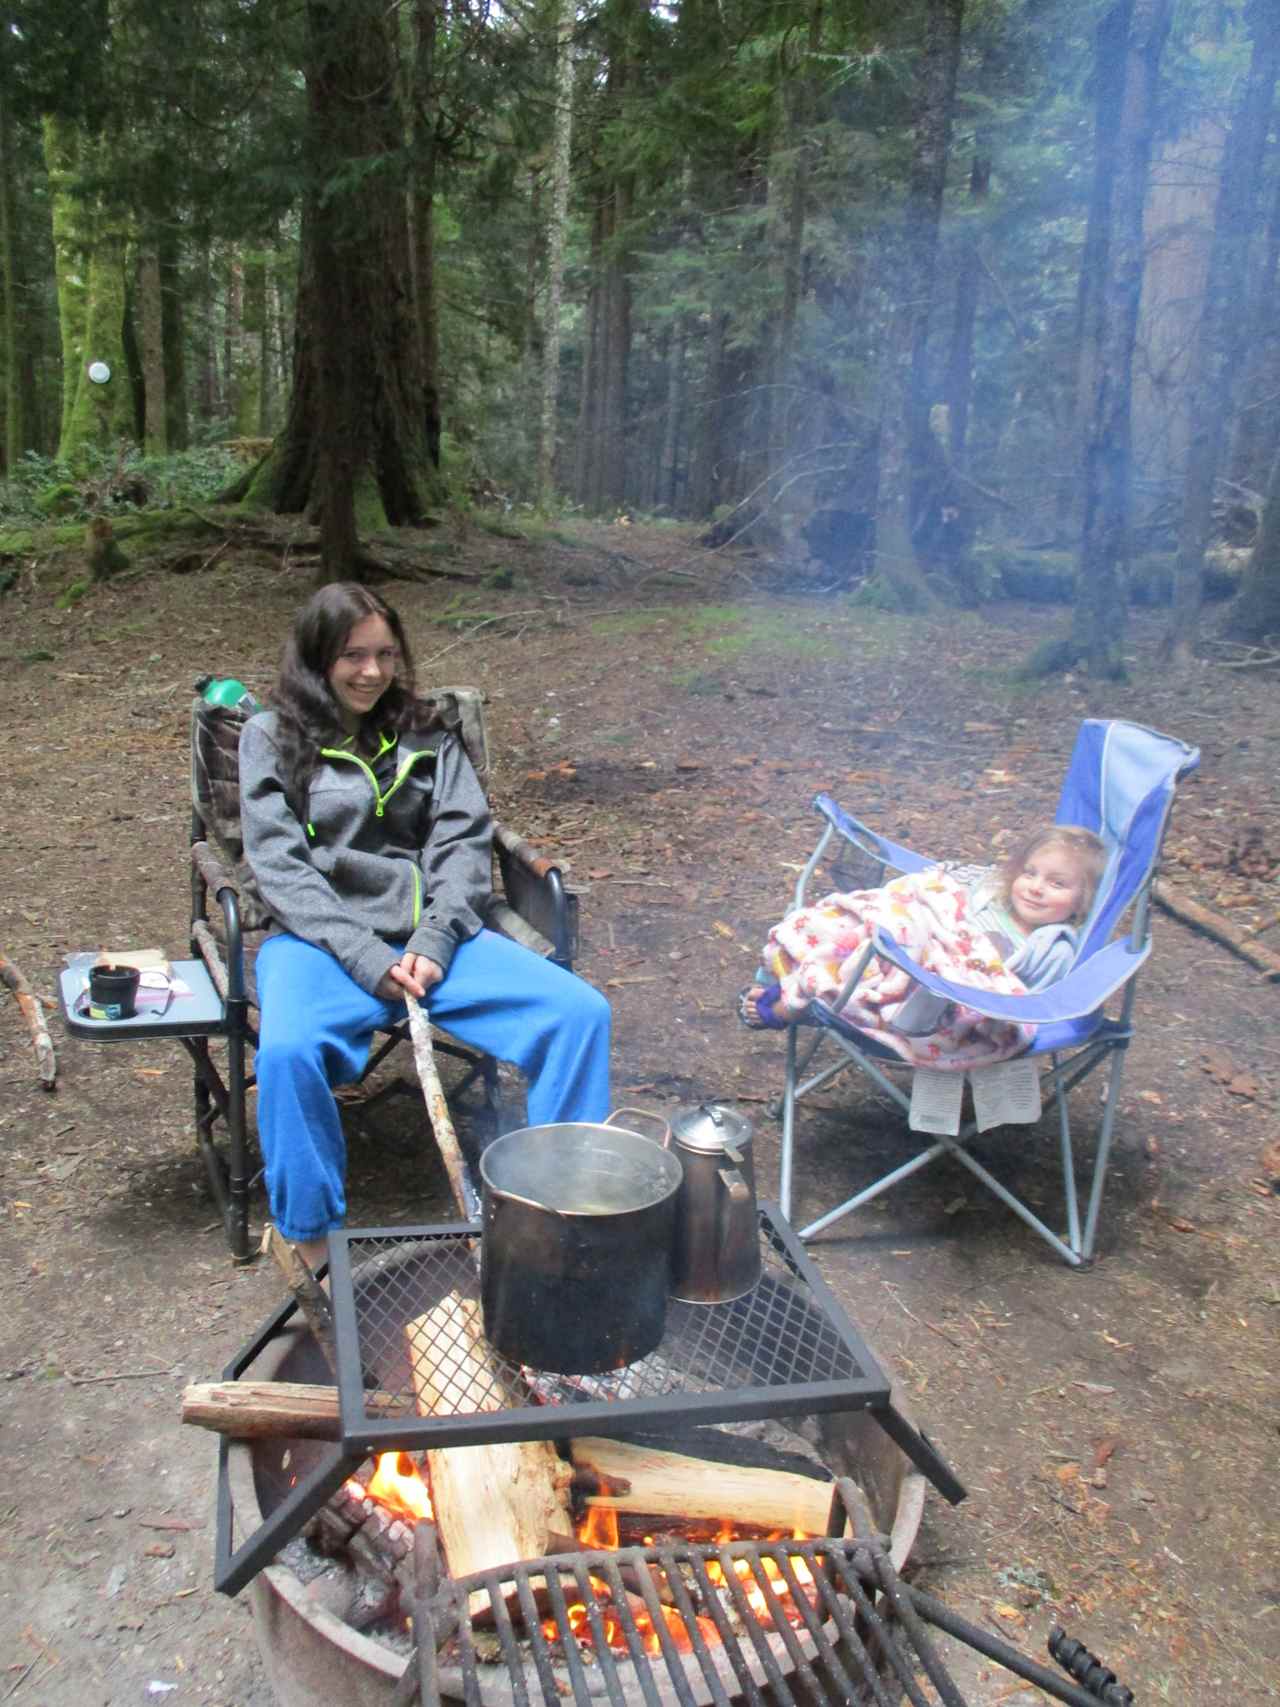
<point x="417" y="893"/>
<point x="386" y="741"/>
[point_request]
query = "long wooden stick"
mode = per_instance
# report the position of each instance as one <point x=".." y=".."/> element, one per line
<point x="1201" y="919"/>
<point x="310" y="1297"/>
<point x="33" y="1013"/>
<point x="424" y="1058"/>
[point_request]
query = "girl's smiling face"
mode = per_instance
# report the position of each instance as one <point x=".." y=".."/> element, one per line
<point x="1049" y="890"/>
<point x="364" y="669"/>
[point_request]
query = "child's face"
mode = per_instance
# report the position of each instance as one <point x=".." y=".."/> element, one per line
<point x="1049" y="889"/>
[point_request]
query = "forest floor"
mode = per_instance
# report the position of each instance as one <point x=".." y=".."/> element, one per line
<point x="661" y="718"/>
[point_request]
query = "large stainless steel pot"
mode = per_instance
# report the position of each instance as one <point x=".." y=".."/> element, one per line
<point x="717" y="1248"/>
<point x="575" y="1258"/>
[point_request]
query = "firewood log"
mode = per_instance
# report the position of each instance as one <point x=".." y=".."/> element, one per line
<point x="627" y="1476"/>
<point x="493" y="1504"/>
<point x="252" y="1409"/>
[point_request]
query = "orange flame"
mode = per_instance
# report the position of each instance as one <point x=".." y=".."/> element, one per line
<point x="398" y="1486"/>
<point x="599" y="1528"/>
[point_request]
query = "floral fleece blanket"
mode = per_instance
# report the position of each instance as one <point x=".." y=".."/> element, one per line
<point x="814" y="949"/>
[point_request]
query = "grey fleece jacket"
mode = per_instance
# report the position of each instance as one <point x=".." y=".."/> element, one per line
<point x="408" y="863"/>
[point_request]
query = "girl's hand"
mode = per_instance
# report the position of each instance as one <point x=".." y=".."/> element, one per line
<point x="412" y="975"/>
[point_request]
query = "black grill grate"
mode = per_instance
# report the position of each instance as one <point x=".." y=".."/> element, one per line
<point x="663" y="1630"/>
<point x="404" y="1296"/>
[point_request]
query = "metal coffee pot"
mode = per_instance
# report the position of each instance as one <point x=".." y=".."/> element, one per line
<point x="717" y="1238"/>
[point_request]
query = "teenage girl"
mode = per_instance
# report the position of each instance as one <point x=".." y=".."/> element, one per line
<point x="368" y="836"/>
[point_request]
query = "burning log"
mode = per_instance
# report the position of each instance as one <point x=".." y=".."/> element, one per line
<point x="648" y="1479"/>
<point x="253" y="1409"/>
<point x="493" y="1504"/>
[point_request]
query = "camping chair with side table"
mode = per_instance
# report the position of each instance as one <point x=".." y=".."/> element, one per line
<point x="1120" y="782"/>
<point x="530" y="904"/>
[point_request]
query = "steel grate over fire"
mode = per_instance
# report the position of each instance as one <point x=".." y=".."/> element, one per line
<point x="414" y="1373"/>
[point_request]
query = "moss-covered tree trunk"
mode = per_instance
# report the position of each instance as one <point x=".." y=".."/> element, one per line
<point x="11" y="281"/>
<point x="60" y="149"/>
<point x="356" y="433"/>
<point x="89" y="265"/>
<point x="151" y="336"/>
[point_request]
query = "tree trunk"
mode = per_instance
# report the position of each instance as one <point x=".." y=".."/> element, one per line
<point x="425" y="147"/>
<point x="616" y="317"/>
<point x="1254" y="618"/>
<point x="1256" y="424"/>
<point x="959" y="382"/>
<point x="173" y="332"/>
<point x="357" y="424"/>
<point x="60" y="150"/>
<point x="587" y="458"/>
<point x="151" y="325"/>
<point x="11" y="284"/>
<point x="1134" y="30"/>
<point x="706" y="452"/>
<point x="908" y="451"/>
<point x="562" y="131"/>
<point x="1217" y="346"/>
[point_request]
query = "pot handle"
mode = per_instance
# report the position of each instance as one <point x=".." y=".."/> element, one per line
<point x="645" y="1114"/>
<point x="737" y="1186"/>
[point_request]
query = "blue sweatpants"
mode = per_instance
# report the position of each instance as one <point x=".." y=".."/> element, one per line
<point x="317" y="1025"/>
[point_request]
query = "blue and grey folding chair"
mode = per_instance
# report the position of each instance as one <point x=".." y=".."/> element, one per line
<point x="1120" y="783"/>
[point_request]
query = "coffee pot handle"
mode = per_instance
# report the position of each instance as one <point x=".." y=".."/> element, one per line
<point x="738" y="1189"/>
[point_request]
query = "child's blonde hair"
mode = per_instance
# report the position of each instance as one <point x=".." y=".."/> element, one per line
<point x="1087" y="850"/>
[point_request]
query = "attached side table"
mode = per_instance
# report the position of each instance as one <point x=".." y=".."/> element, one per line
<point x="191" y="1020"/>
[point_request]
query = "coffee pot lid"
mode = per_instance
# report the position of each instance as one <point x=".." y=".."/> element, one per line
<point x="711" y="1126"/>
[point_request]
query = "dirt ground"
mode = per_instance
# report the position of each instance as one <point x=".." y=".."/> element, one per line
<point x="661" y="720"/>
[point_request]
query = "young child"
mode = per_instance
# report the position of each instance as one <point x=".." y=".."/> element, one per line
<point x="1027" y="910"/>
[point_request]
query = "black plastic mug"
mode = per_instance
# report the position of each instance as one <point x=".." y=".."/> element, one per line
<point x="113" y="992"/>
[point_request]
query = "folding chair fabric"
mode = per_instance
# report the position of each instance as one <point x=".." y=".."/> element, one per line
<point x="1120" y="782"/>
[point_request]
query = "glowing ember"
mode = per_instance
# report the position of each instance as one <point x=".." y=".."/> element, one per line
<point x="580" y="1625"/>
<point x="396" y="1484"/>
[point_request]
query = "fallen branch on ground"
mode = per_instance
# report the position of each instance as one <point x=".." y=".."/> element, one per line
<point x="33" y="1013"/>
<point x="1201" y="919"/>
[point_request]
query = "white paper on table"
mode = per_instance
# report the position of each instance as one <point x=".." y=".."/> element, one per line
<point x="935" y="1101"/>
<point x="1007" y="1093"/>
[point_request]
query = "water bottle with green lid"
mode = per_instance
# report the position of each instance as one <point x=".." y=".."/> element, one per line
<point x="226" y="690"/>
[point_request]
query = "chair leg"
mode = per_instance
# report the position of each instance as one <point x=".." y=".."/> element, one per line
<point x="237" y="1215"/>
<point x="1103" y="1156"/>
<point x="1068" y="1159"/>
<point x="788" y="1126"/>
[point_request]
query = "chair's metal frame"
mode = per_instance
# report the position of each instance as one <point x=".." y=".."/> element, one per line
<point x="1102" y="970"/>
<point x="532" y="904"/>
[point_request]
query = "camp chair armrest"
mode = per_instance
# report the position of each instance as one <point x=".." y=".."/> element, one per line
<point x="534" y="887"/>
<point x="213" y="870"/>
<point x="878" y="847"/>
<point x="1083" y="991"/>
